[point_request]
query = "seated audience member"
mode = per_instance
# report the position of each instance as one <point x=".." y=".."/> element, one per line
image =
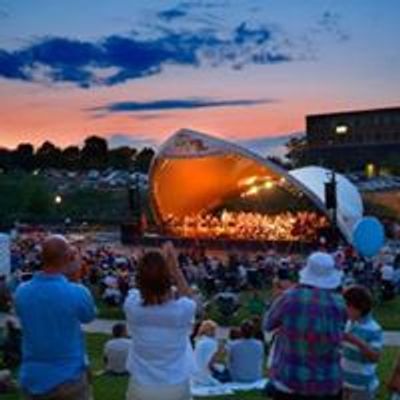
<point x="160" y="357"/>
<point x="258" y="332"/>
<point x="388" y="282"/>
<point x="234" y="334"/>
<point x="116" y="351"/>
<point x="112" y="296"/>
<point x="246" y="356"/>
<point x="5" y="296"/>
<point x="363" y="342"/>
<point x="11" y="345"/>
<point x="206" y="352"/>
<point x="6" y="383"/>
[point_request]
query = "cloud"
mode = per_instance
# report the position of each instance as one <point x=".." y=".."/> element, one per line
<point x="4" y="14"/>
<point x="11" y="66"/>
<point x="132" y="57"/>
<point x="331" y="23"/>
<point x="131" y="140"/>
<point x="152" y="116"/>
<point x="201" y="4"/>
<point x="176" y="104"/>
<point x="172" y="14"/>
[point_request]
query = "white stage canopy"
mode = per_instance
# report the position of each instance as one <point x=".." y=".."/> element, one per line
<point x="349" y="202"/>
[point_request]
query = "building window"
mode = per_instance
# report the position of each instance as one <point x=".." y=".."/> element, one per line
<point x="342" y="129"/>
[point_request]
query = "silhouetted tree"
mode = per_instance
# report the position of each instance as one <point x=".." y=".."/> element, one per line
<point x="48" y="156"/>
<point x="6" y="159"/>
<point x="121" y="157"/>
<point x="281" y="163"/>
<point x="143" y="160"/>
<point x="94" y="153"/>
<point x="71" y="158"/>
<point x="24" y="156"/>
<point x="298" y="151"/>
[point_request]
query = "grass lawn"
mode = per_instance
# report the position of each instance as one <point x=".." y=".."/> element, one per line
<point x="111" y="388"/>
<point x="388" y="314"/>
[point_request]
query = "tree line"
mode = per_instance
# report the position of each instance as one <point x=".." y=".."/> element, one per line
<point x="94" y="154"/>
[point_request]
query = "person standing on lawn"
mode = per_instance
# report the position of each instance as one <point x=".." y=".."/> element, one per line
<point x="362" y="345"/>
<point x="51" y="309"/>
<point x="309" y="321"/>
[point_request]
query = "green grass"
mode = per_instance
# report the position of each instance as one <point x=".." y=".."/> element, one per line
<point x="112" y="388"/>
<point x="388" y="314"/>
<point x="107" y="312"/>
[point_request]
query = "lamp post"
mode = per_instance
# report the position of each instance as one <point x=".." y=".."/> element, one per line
<point x="331" y="200"/>
<point x="58" y="200"/>
<point x="135" y="202"/>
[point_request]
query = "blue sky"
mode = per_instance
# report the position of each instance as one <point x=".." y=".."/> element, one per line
<point x="241" y="69"/>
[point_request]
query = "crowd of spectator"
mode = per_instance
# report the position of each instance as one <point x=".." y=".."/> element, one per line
<point x="325" y="343"/>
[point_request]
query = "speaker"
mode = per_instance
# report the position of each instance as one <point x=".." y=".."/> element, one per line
<point x="134" y="200"/>
<point x="131" y="231"/>
<point x="330" y="195"/>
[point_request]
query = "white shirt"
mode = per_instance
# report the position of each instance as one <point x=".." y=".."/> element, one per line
<point x="111" y="292"/>
<point x="116" y="351"/>
<point x="160" y="352"/>
<point x="387" y="273"/>
<point x="204" y="351"/>
<point x="110" y="281"/>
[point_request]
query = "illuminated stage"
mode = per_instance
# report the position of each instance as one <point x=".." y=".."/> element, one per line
<point x="204" y="188"/>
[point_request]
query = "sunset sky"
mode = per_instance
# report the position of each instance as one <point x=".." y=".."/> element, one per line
<point x="136" y="71"/>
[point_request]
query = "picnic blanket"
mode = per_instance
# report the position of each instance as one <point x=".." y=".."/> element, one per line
<point x="227" y="388"/>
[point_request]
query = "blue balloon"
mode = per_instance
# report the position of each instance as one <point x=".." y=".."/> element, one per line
<point x="368" y="236"/>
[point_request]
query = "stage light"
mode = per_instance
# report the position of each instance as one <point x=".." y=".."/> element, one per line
<point x="253" y="190"/>
<point x="268" y="185"/>
<point x="248" y="181"/>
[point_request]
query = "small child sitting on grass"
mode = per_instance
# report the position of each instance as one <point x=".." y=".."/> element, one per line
<point x="362" y="345"/>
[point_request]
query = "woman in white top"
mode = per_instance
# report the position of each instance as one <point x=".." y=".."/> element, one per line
<point x="205" y="354"/>
<point x="160" y="359"/>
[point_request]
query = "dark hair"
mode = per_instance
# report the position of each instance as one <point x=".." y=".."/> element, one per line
<point x="247" y="329"/>
<point x="283" y="274"/>
<point x="118" y="330"/>
<point x="235" y="333"/>
<point x="360" y="298"/>
<point x="153" y="278"/>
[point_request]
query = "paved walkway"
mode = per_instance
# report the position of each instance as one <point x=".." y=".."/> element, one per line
<point x="391" y="338"/>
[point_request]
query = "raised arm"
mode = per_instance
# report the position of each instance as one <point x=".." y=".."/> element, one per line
<point x="176" y="273"/>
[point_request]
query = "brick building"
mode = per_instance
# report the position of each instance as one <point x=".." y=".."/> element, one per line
<point x="352" y="140"/>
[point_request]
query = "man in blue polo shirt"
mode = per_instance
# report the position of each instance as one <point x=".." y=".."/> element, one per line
<point x="51" y="309"/>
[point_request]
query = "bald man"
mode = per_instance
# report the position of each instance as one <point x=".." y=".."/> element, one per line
<point x="51" y="309"/>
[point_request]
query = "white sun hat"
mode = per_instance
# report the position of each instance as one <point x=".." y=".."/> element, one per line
<point x="321" y="272"/>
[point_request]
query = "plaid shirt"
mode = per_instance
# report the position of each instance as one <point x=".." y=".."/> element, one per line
<point x="310" y="324"/>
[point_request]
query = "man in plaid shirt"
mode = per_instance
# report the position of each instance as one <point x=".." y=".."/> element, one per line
<point x="309" y="321"/>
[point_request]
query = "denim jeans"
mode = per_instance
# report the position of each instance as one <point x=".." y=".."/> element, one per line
<point x="74" y="390"/>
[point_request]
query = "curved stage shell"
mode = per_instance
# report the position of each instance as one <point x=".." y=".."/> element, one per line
<point x="202" y="186"/>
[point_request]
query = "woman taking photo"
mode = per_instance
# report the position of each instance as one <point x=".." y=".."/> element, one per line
<point x="160" y="322"/>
